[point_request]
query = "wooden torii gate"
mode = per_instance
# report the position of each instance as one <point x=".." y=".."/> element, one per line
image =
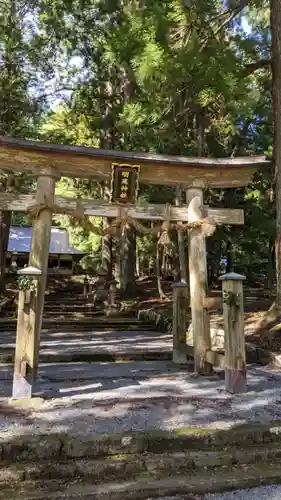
<point x="49" y="162"/>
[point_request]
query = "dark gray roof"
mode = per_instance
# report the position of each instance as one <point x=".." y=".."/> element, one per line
<point x="20" y="240"/>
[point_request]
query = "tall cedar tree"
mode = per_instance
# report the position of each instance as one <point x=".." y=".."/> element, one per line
<point x="276" y="104"/>
<point x="274" y="314"/>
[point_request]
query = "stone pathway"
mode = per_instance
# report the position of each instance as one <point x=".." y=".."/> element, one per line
<point x="62" y="343"/>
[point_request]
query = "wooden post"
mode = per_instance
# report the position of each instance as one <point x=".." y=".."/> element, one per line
<point x="41" y="235"/>
<point x="179" y="322"/>
<point x="91" y="285"/>
<point x="181" y="244"/>
<point x="85" y="287"/>
<point x="107" y="241"/>
<point x="112" y="294"/>
<point x="26" y="353"/>
<point x="198" y="280"/>
<point x="233" y="315"/>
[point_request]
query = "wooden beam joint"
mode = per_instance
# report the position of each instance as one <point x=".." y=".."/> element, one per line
<point x="215" y="358"/>
<point x="51" y="172"/>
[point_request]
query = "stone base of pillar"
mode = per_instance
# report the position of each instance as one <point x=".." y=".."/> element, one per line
<point x="179" y="358"/>
<point x="22" y="387"/>
<point x="235" y="381"/>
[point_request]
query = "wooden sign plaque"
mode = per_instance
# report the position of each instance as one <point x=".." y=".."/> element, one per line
<point x="124" y="183"/>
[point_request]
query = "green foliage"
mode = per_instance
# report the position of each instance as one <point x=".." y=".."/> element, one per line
<point x="25" y="283"/>
<point x="165" y="76"/>
<point x="19" y="110"/>
<point x="85" y="242"/>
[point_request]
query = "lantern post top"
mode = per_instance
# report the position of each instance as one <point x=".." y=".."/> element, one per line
<point x="30" y="271"/>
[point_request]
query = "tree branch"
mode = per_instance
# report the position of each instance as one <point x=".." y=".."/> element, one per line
<point x="252" y="67"/>
<point x="73" y="89"/>
<point x="232" y="14"/>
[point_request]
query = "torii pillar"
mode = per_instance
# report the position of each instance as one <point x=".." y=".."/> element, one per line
<point x="38" y="258"/>
<point x="197" y="258"/>
<point x="41" y="235"/>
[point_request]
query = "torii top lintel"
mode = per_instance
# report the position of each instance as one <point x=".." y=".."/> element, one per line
<point x="80" y="161"/>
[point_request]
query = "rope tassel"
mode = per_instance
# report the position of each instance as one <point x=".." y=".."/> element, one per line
<point x="207" y="226"/>
<point x="165" y="239"/>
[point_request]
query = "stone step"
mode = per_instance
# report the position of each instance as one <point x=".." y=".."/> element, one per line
<point x="148" y="485"/>
<point x="102" y="320"/>
<point x="125" y="467"/>
<point x="49" y="311"/>
<point x="80" y="317"/>
<point x="55" y="299"/>
<point x="63" y="317"/>
<point x="59" y="307"/>
<point x="77" y="327"/>
<point x="60" y="445"/>
<point x="67" y="306"/>
<point x="80" y="324"/>
<point x="71" y="300"/>
<point x="49" y="356"/>
<point x="54" y="308"/>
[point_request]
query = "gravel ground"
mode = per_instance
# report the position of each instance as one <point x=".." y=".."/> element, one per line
<point x="121" y="397"/>
<point x="185" y="497"/>
<point x="181" y="497"/>
<point x="264" y="493"/>
<point x="272" y="492"/>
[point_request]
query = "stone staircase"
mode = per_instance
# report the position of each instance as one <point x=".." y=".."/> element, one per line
<point x="71" y="324"/>
<point x="138" y="465"/>
<point x="64" y="302"/>
<point x="66" y="306"/>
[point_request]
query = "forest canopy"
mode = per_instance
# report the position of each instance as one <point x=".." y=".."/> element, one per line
<point x="188" y="77"/>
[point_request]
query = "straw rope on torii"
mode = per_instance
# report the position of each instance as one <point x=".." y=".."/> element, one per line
<point x="124" y="221"/>
<point x="76" y="215"/>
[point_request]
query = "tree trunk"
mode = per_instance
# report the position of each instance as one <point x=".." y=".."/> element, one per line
<point x="158" y="273"/>
<point x="229" y="257"/>
<point x="5" y="222"/>
<point x="106" y="260"/>
<point x="138" y="264"/>
<point x="107" y="141"/>
<point x="117" y="258"/>
<point x="276" y="78"/>
<point x="107" y="254"/>
<point x="270" y="266"/>
<point x="163" y="258"/>
<point x="214" y="253"/>
<point x="128" y="264"/>
<point x="181" y="243"/>
<point x="274" y="313"/>
<point x="152" y="265"/>
<point x="200" y="134"/>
